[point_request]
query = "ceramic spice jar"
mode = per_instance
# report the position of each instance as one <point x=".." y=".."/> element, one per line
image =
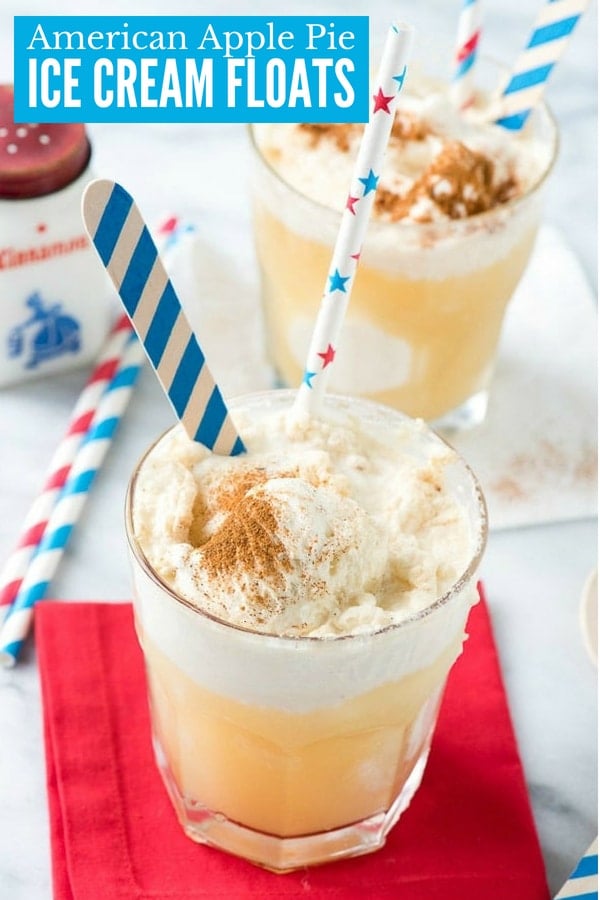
<point x="55" y="305"/>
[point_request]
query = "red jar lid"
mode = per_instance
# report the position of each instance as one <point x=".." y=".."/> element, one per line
<point x="37" y="159"/>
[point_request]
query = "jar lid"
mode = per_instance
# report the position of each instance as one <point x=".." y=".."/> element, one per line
<point x="38" y="159"/>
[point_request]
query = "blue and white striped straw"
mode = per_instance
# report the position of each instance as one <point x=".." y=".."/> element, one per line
<point x="126" y="248"/>
<point x="467" y="42"/>
<point x="583" y="883"/>
<point x="68" y="508"/>
<point x="550" y="35"/>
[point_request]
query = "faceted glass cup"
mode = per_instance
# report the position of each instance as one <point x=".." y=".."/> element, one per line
<point x="429" y="300"/>
<point x="293" y="751"/>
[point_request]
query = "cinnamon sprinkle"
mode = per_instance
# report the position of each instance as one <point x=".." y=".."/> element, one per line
<point x="407" y="127"/>
<point x="459" y="181"/>
<point x="232" y="493"/>
<point x="247" y="541"/>
<point x="339" y="133"/>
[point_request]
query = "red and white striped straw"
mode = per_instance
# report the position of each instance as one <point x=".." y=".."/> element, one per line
<point x="467" y="42"/>
<point x="71" y="502"/>
<point x="355" y="218"/>
<point x="109" y="360"/>
<point x="36" y="519"/>
<point x="48" y="525"/>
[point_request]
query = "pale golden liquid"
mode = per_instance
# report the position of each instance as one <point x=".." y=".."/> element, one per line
<point x="452" y="326"/>
<point x="290" y="774"/>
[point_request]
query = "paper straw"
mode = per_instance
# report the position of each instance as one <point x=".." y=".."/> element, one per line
<point x="355" y="218"/>
<point x="119" y="361"/>
<point x="528" y="80"/>
<point x="36" y="519"/>
<point x="11" y="575"/>
<point x="171" y="231"/>
<point x="583" y="882"/>
<point x="125" y="247"/>
<point x="67" y="510"/>
<point x="467" y="41"/>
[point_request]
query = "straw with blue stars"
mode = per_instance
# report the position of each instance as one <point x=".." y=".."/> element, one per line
<point x="355" y="217"/>
<point x="527" y="82"/>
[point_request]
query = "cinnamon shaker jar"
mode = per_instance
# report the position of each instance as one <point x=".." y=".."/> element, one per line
<point x="55" y="304"/>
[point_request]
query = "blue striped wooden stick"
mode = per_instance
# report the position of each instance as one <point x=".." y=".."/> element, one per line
<point x="126" y="248"/>
<point x="549" y="37"/>
<point x="583" y="882"/>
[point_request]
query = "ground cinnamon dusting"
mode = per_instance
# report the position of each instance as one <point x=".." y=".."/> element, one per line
<point x="236" y="489"/>
<point x="238" y="486"/>
<point x="247" y="540"/>
<point x="339" y="133"/>
<point x="407" y="127"/>
<point x="459" y="181"/>
<point x="527" y="473"/>
<point x="225" y="500"/>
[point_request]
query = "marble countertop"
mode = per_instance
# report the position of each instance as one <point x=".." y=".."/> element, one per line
<point x="534" y="575"/>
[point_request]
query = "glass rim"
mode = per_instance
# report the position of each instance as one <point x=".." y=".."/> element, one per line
<point x="419" y="615"/>
<point x="404" y="223"/>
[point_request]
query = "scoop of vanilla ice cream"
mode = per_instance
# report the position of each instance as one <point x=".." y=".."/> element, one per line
<point x="288" y="558"/>
<point x="318" y="160"/>
<point x="324" y="527"/>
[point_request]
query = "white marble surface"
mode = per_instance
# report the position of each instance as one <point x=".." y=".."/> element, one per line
<point x="536" y="452"/>
<point x="534" y="575"/>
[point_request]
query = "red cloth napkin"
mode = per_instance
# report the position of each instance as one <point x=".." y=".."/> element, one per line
<point x="468" y="834"/>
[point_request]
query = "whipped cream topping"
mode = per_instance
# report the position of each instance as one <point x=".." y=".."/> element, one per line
<point x="440" y="163"/>
<point x="325" y="527"/>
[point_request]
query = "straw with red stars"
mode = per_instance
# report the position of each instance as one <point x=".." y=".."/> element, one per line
<point x="355" y="217"/>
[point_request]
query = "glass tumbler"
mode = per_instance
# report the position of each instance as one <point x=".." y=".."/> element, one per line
<point x="423" y="324"/>
<point x="292" y="751"/>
